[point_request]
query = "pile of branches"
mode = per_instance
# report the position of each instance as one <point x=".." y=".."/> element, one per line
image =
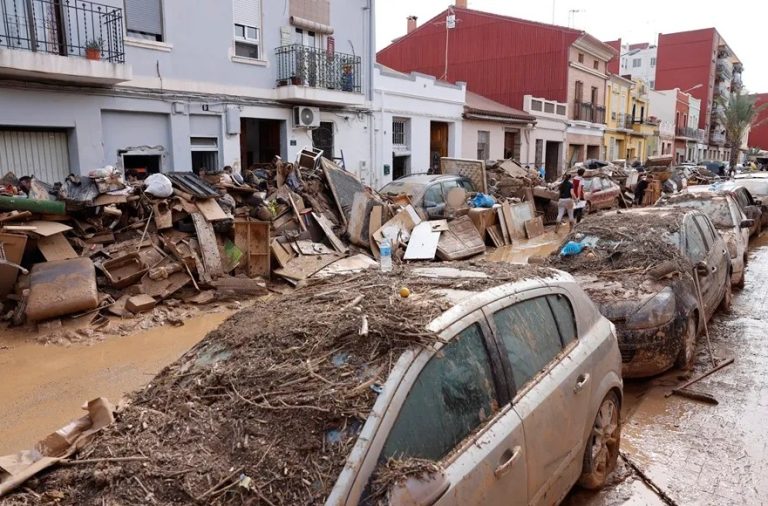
<point x="268" y="406"/>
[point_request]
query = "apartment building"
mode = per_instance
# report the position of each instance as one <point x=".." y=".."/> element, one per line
<point x="172" y="85"/>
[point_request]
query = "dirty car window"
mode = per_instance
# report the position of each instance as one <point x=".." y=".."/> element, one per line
<point x="452" y="396"/>
<point x="433" y="196"/>
<point x="530" y="336"/>
<point x="716" y="209"/>
<point x="563" y="312"/>
<point x="694" y="243"/>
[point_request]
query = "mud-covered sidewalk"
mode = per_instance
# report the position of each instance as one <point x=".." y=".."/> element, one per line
<point x="698" y="453"/>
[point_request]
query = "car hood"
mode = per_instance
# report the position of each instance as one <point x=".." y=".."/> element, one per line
<point x="617" y="299"/>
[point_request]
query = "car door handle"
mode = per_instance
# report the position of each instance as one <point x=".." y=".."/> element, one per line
<point x="506" y="465"/>
<point x="581" y="382"/>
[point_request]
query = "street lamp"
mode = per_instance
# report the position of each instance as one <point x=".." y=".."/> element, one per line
<point x="696" y="87"/>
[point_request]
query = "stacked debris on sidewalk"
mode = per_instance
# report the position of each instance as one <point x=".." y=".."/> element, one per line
<point x="99" y="245"/>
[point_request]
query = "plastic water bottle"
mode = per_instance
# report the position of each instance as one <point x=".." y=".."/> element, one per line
<point x="386" y="256"/>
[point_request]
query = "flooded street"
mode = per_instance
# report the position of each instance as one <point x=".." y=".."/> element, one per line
<point x="43" y="387"/>
<point x="697" y="453"/>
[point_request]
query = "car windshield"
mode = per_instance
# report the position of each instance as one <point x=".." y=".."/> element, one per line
<point x="717" y="210"/>
<point x="402" y="188"/>
<point x="590" y="183"/>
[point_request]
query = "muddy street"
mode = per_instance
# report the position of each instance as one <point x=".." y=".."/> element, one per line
<point x="697" y="453"/>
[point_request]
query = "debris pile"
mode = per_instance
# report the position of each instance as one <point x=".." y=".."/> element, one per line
<point x="508" y="179"/>
<point x="102" y="245"/>
<point x="268" y="406"/>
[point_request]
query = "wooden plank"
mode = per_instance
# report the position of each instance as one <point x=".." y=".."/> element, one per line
<point x="483" y="219"/>
<point x="302" y="267"/>
<point x="14" y="216"/>
<point x="534" y="227"/>
<point x="13" y="245"/>
<point x="327" y="229"/>
<point x="503" y="226"/>
<point x="209" y="248"/>
<point x="520" y="214"/>
<point x="280" y="254"/>
<point x="461" y="241"/>
<point x="474" y="170"/>
<point x="357" y="228"/>
<point x="47" y="228"/>
<point x="241" y="285"/>
<point x="56" y="247"/>
<point x="297" y="212"/>
<point x="162" y="215"/>
<point x="423" y="243"/>
<point x="494" y="233"/>
<point x="313" y="248"/>
<point x="509" y="221"/>
<point x="374" y="224"/>
<point x="105" y="200"/>
<point x="211" y="210"/>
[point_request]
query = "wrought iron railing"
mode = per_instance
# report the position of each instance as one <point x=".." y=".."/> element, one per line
<point x="63" y="27"/>
<point x="585" y="111"/>
<point x="717" y="138"/>
<point x="318" y="68"/>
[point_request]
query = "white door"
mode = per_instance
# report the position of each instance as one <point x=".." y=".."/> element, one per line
<point x="553" y="387"/>
<point x="40" y="153"/>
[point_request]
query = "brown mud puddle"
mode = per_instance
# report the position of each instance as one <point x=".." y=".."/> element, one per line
<point x="43" y="387"/>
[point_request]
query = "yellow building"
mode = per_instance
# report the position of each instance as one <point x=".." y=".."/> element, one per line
<point x="618" y="118"/>
<point x="642" y="139"/>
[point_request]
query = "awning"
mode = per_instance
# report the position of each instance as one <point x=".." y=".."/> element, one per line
<point x="310" y="25"/>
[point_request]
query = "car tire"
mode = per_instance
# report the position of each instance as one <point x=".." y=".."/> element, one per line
<point x="616" y="204"/>
<point x="725" y="303"/>
<point x="602" y="451"/>
<point x="743" y="279"/>
<point x="687" y="353"/>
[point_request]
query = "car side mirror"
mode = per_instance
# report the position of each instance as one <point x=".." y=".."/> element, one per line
<point x="747" y="223"/>
<point x="424" y="491"/>
<point x="702" y="269"/>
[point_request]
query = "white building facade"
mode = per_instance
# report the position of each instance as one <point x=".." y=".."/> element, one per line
<point x="547" y="145"/>
<point x="418" y="119"/>
<point x="639" y="61"/>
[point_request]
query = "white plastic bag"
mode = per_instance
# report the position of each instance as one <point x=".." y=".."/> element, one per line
<point x="158" y="186"/>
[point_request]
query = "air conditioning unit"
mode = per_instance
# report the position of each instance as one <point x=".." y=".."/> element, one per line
<point x="306" y="117"/>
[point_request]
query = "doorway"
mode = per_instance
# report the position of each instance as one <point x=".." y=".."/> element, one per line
<point x="260" y="141"/>
<point x="400" y="166"/>
<point x="322" y="138"/>
<point x="593" y="152"/>
<point x="552" y="160"/>
<point x="438" y="144"/>
<point x="512" y="144"/>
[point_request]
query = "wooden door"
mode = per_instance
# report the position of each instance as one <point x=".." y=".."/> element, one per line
<point x="438" y="145"/>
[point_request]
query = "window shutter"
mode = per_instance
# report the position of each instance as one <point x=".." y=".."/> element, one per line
<point x="144" y="16"/>
<point x="248" y="12"/>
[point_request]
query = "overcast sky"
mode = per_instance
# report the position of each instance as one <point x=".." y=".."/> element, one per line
<point x="743" y="23"/>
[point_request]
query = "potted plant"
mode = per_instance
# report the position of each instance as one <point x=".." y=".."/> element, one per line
<point x="93" y="49"/>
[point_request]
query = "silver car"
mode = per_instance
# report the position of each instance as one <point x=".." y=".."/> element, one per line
<point x="518" y="402"/>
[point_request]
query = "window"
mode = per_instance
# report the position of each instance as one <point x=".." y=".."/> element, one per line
<point x="593" y="96"/>
<point x="530" y="336"/>
<point x="433" y="197"/>
<point x="596" y="65"/>
<point x="247" y="17"/>
<point x="636" y="62"/>
<point x="322" y="138"/>
<point x="563" y="311"/>
<point x="452" y="396"/>
<point x="144" y="19"/>
<point x="581" y="57"/>
<point x="722" y="213"/>
<point x="653" y="61"/>
<point x="399" y="137"/>
<point x="536" y="105"/>
<point x="694" y="243"/>
<point x="483" y="145"/>
<point x="579" y="91"/>
<point x="205" y="153"/>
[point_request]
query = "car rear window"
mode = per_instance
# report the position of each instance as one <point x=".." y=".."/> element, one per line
<point x="452" y="396"/>
<point x="563" y="311"/>
<point x="530" y="336"/>
<point x="716" y="209"/>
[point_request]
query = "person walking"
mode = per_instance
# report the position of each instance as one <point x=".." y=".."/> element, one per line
<point x="640" y="188"/>
<point x="566" y="202"/>
<point x="578" y="191"/>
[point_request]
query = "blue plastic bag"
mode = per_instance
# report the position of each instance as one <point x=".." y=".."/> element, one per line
<point x="482" y="200"/>
<point x="571" y="248"/>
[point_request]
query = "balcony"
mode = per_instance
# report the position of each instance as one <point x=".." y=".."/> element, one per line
<point x="717" y="138"/>
<point x="311" y="75"/>
<point x="695" y="134"/>
<point x="62" y="40"/>
<point x="584" y="111"/>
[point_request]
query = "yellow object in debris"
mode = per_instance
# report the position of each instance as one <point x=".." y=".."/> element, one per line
<point x="405" y="292"/>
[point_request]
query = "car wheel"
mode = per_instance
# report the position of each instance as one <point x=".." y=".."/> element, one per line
<point x="615" y="204"/>
<point x="688" y="349"/>
<point x="602" y="450"/>
<point x="743" y="279"/>
<point x="725" y="303"/>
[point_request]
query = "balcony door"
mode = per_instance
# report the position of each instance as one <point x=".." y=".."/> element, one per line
<point x="308" y="56"/>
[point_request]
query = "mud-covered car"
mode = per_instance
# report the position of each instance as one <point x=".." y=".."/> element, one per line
<point x="600" y="193"/>
<point x="727" y="217"/>
<point x="427" y="191"/>
<point x="752" y="196"/>
<point x="658" y="274"/>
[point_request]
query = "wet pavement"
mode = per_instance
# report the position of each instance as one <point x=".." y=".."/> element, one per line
<point x="696" y="453"/>
<point x="43" y="387"/>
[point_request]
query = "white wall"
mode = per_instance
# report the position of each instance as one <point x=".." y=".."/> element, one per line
<point x="663" y="107"/>
<point x="646" y="71"/>
<point x="420" y="99"/>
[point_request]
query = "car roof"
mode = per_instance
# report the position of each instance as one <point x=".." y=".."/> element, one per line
<point x="752" y="175"/>
<point x="424" y="179"/>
